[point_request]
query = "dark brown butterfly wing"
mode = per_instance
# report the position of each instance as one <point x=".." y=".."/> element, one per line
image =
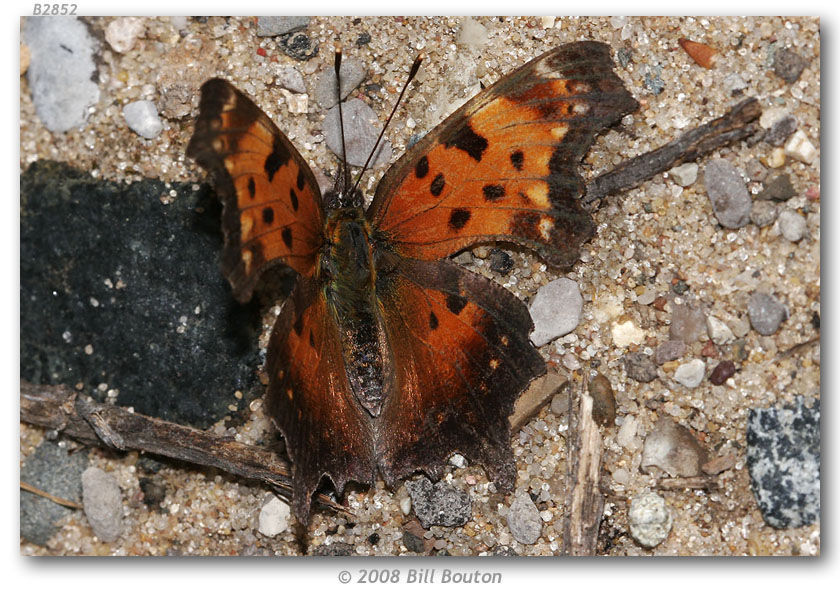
<point x="272" y="203"/>
<point x="504" y="166"/>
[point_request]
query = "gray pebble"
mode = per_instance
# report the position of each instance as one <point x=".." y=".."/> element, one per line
<point x="673" y="450"/>
<point x="290" y="79"/>
<point x="361" y="128"/>
<point x="54" y="470"/>
<point x="267" y="26"/>
<point x="734" y="83"/>
<point x="61" y="71"/>
<point x="352" y="74"/>
<point x="728" y="193"/>
<point x="792" y="225"/>
<point x="668" y="351"/>
<point x="142" y="117"/>
<point x="690" y="374"/>
<point x="555" y="310"/>
<point x="779" y="189"/>
<point x="653" y="78"/>
<point x="472" y="33"/>
<point x="103" y="503"/>
<point x="788" y="65"/>
<point x="688" y="323"/>
<point x="783" y="459"/>
<point x="763" y="213"/>
<point x="523" y="519"/>
<point x="649" y="519"/>
<point x="766" y="313"/>
<point x="438" y="504"/>
<point x="781" y="130"/>
<point x="639" y="366"/>
<point x="684" y="174"/>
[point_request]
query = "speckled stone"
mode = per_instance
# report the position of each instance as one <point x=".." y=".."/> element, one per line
<point x="555" y="310"/>
<point x="792" y="225"/>
<point x="524" y="519"/>
<point x="298" y="45"/>
<point x="103" y="503"/>
<point x="649" y="519"/>
<point x="788" y="65"/>
<point x="766" y="313"/>
<point x="728" y="193"/>
<point x="763" y="213"/>
<point x="783" y="458"/>
<point x="438" y="504"/>
<point x="668" y="351"/>
<point x="781" y="130"/>
<point x="639" y="366"/>
<point x="361" y="128"/>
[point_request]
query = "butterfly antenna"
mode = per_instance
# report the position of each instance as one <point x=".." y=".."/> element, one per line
<point x="346" y="176"/>
<point x="414" y="68"/>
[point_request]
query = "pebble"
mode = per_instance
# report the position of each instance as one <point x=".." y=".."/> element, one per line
<point x="298" y="46"/>
<point x="458" y="461"/>
<point x="639" y="366"/>
<point x="626" y="436"/>
<point x="102" y="500"/>
<point x="555" y="310"/>
<point x="472" y="33"/>
<point x="412" y="538"/>
<point x="719" y="332"/>
<point x="723" y="371"/>
<point x="289" y="78"/>
<point x="734" y="83"/>
<point x="775" y="159"/>
<point x="405" y="505"/>
<point x="690" y="374"/>
<point x="53" y="469"/>
<point x="268" y="26"/>
<point x="781" y="130"/>
<point x="763" y="213"/>
<point x="688" y="323"/>
<point x="154" y="492"/>
<point x="649" y="519"/>
<point x="766" y="313"/>
<point x="274" y="517"/>
<point x="627" y="333"/>
<point x="783" y="459"/>
<point x="788" y="65"/>
<point x="122" y="33"/>
<point x="668" y="351"/>
<point x="142" y="117"/>
<point x="801" y="148"/>
<point x="603" y="400"/>
<point x="671" y="448"/>
<point x="361" y="128"/>
<point x="352" y="74"/>
<point x="438" y="504"/>
<point x="500" y="261"/>
<point x="685" y="174"/>
<point x="792" y="225"/>
<point x="728" y="193"/>
<point x="334" y="549"/>
<point x="61" y="72"/>
<point x="779" y="189"/>
<point x="297" y="103"/>
<point x="524" y="520"/>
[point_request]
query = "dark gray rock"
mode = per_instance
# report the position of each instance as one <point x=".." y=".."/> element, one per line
<point x="639" y="366"/>
<point x="766" y="313"/>
<point x="788" y="65"/>
<point x="668" y="351"/>
<point x="103" y="503"/>
<point x="438" y="504"/>
<point x="779" y="189"/>
<point x="523" y="519"/>
<point x="361" y="128"/>
<point x="118" y="288"/>
<point x="61" y="72"/>
<point x="500" y="261"/>
<point x="783" y="458"/>
<point x="781" y="130"/>
<point x="298" y="45"/>
<point x="54" y="470"/>
<point x="268" y="26"/>
<point x="728" y="193"/>
<point x="352" y="74"/>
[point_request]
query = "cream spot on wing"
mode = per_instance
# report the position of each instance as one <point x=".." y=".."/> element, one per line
<point x="247" y="257"/>
<point x="230" y="164"/>
<point x="539" y="195"/>
<point x="218" y="145"/>
<point x="580" y="87"/>
<point x="494" y="363"/>
<point x="560" y="131"/>
<point x="246" y="225"/>
<point x="290" y="393"/>
<point x="546" y="226"/>
<point x="504" y="340"/>
<point x="581" y="109"/>
<point x="230" y="104"/>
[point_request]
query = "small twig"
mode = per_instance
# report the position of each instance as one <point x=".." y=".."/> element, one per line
<point x="797" y="348"/>
<point x="688" y="483"/>
<point x="62" y="501"/>
<point x="738" y="124"/>
<point x="59" y="408"/>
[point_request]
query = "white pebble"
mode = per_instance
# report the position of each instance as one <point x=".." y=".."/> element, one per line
<point x="801" y="148"/>
<point x="684" y="174"/>
<point x="405" y="505"/>
<point x="122" y="33"/>
<point x="274" y="517"/>
<point x="142" y="117"/>
<point x="792" y="225"/>
<point x="650" y="520"/>
<point x="691" y="373"/>
<point x="719" y="331"/>
<point x="627" y="333"/>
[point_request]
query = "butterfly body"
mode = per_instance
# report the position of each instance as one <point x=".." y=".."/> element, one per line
<point x="387" y="358"/>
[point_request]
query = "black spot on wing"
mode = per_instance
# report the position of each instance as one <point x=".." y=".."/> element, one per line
<point x="517" y="159"/>
<point x="469" y="141"/>
<point x="268" y="215"/>
<point x="287" y="237"/>
<point x="493" y="192"/>
<point x="294" y="199"/>
<point x="458" y="218"/>
<point x="437" y="185"/>
<point x="298" y="325"/>
<point x="311" y="339"/>
<point x="433" y="321"/>
<point x="252" y="188"/>
<point x="300" y="180"/>
<point x="455" y="304"/>
<point x="421" y="169"/>
<point x="279" y="156"/>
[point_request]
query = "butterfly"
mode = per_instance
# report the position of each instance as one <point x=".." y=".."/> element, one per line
<point x="387" y="358"/>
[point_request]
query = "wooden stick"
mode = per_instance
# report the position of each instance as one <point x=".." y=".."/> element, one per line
<point x="39" y="492"/>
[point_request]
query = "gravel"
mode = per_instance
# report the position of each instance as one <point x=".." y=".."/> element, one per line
<point x="730" y="199"/>
<point x="438" y="504"/>
<point x="524" y="519"/>
<point x="788" y="65"/>
<point x="103" y="503"/>
<point x="352" y="74"/>
<point x="792" y="225"/>
<point x="766" y="313"/>
<point x="639" y="366"/>
<point x="555" y="310"/>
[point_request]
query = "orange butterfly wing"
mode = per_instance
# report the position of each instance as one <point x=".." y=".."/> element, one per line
<point x="272" y="204"/>
<point x="504" y="166"/>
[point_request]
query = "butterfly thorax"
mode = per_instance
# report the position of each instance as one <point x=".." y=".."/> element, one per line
<point x="347" y="271"/>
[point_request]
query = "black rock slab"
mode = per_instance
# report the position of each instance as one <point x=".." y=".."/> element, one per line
<point x="783" y="458"/>
<point x="119" y="288"/>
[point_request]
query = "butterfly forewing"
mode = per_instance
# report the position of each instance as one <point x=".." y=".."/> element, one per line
<point x="272" y="204"/>
<point x="504" y="166"/>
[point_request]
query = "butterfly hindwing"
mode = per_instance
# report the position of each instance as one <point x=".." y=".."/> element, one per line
<point x="272" y="204"/>
<point x="461" y="355"/>
<point x="309" y="396"/>
<point x="504" y="166"/>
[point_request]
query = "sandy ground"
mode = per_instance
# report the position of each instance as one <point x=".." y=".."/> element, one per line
<point x="649" y="238"/>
